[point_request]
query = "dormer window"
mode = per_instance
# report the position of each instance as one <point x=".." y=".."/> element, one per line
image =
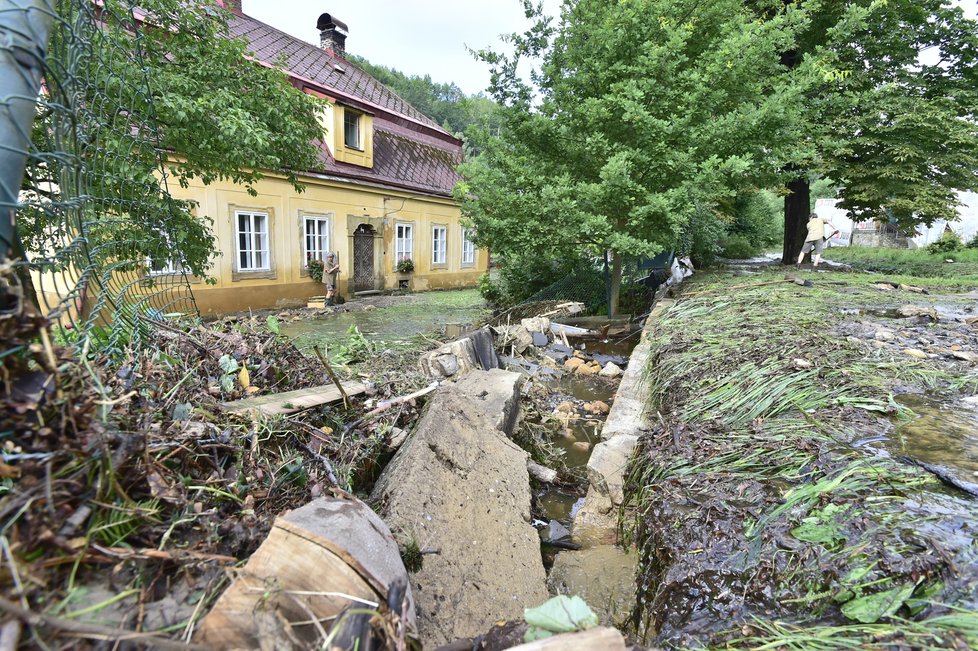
<point x="351" y="129"/>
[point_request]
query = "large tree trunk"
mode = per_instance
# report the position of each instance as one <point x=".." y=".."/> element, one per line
<point x="797" y="206"/>
<point x="615" y="292"/>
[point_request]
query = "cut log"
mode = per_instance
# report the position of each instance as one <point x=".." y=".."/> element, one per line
<point x="316" y="561"/>
<point x="293" y="401"/>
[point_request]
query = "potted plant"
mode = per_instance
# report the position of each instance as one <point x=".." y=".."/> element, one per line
<point x="315" y="268"/>
<point x="404" y="266"/>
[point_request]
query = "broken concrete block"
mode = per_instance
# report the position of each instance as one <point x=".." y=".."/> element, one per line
<point x="460" y="483"/>
<point x="536" y="324"/>
<point x="516" y="337"/>
<point x="452" y="359"/>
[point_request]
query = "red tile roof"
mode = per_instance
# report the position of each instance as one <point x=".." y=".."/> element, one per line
<point x="410" y="150"/>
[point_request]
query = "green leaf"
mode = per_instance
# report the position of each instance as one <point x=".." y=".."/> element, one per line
<point x="872" y="608"/>
<point x="228" y="364"/>
<point x="536" y="633"/>
<point x="272" y="322"/>
<point x="561" y="614"/>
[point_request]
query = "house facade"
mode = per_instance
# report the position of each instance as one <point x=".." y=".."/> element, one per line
<point x="384" y="193"/>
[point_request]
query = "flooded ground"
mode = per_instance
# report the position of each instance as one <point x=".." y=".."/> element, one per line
<point x="798" y="491"/>
<point x="390" y="321"/>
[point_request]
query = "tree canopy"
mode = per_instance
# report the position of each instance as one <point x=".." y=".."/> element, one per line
<point x="136" y="94"/>
<point x="642" y="115"/>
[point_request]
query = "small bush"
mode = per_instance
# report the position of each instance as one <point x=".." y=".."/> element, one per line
<point x="404" y="266"/>
<point x="949" y="243"/>
<point x="738" y="247"/>
<point x="973" y="242"/>
<point x="490" y="291"/>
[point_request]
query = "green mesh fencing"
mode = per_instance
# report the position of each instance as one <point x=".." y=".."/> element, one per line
<point x="96" y="241"/>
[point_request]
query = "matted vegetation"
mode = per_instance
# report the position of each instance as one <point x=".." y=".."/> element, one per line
<point x="917" y="263"/>
<point x="763" y="518"/>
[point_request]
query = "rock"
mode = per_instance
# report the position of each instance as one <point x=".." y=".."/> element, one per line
<point x="566" y="407"/>
<point x="588" y="369"/>
<point x="397" y="437"/>
<point x="573" y="364"/>
<point x="539" y="339"/>
<point x="800" y="363"/>
<point x="583" y="446"/>
<point x="579" y="354"/>
<point x="452" y="359"/>
<point x="538" y="324"/>
<point x="617" y="360"/>
<point x="913" y="288"/>
<point x="459" y="484"/>
<point x="541" y="473"/>
<point x="965" y="356"/>
<point x="884" y="286"/>
<point x="884" y="335"/>
<point x="597" y="407"/>
<point x="516" y="337"/>
<point x="911" y="311"/>
<point x="915" y="353"/>
<point x="611" y="370"/>
<point x="557" y="357"/>
<point x="554" y="532"/>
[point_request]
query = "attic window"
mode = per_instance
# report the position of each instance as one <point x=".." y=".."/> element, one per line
<point x="351" y="129"/>
<point x="339" y="68"/>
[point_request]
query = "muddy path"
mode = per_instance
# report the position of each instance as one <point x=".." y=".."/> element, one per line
<point x="806" y="483"/>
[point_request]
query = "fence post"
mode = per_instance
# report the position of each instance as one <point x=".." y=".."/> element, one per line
<point x="24" y="29"/>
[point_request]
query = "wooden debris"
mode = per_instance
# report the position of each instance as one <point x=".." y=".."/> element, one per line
<point x="293" y="401"/>
<point x="595" y="639"/>
<point x="316" y="561"/>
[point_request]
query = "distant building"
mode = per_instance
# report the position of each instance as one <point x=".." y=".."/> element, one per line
<point x="870" y="233"/>
<point x="385" y="193"/>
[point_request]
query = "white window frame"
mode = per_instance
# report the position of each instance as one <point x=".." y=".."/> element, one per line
<point x="257" y="238"/>
<point x="352" y="117"/>
<point x="403" y="242"/>
<point x="439" y="245"/>
<point x="468" y="248"/>
<point x="172" y="266"/>
<point x="322" y="235"/>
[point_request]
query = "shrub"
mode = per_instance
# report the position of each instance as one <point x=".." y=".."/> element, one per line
<point x="490" y="291"/>
<point x="315" y="268"/>
<point x="949" y="243"/>
<point x="973" y="242"/>
<point x="404" y="266"/>
<point x="738" y="247"/>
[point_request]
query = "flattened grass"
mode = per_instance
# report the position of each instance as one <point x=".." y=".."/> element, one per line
<point x="751" y="469"/>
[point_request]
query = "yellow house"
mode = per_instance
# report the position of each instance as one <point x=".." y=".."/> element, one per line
<point x="384" y="194"/>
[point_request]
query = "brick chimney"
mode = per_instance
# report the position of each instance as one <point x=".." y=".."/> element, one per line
<point x="234" y="6"/>
<point x="332" y="34"/>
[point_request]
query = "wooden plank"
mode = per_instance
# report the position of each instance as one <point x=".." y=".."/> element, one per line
<point x="293" y="401"/>
<point x="595" y="639"/>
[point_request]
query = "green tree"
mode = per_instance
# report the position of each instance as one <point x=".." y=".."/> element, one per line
<point x="893" y="119"/>
<point x="157" y="90"/>
<point x="644" y="115"/>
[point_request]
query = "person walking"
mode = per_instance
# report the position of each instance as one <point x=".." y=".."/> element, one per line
<point x="815" y="239"/>
<point x="331" y="267"/>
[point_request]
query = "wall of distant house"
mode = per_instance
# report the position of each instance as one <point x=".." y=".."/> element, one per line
<point x="966" y="225"/>
<point x="274" y="274"/>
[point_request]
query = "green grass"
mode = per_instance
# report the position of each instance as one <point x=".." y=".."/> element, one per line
<point x="913" y="266"/>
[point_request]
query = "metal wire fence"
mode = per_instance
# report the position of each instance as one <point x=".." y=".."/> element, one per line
<point x="88" y="220"/>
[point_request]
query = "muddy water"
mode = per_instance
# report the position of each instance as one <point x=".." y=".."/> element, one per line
<point x="941" y="433"/>
<point x="394" y="322"/>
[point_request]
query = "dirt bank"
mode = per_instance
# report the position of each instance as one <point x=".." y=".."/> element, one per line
<point x="772" y="508"/>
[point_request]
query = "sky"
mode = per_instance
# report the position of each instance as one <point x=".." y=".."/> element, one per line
<point x="419" y="37"/>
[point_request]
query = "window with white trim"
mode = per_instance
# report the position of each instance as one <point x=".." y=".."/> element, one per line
<point x="316" y="238"/>
<point x="164" y="266"/>
<point x="351" y="129"/>
<point x="439" y="245"/>
<point x="468" y="247"/>
<point x="403" y="242"/>
<point x="251" y="230"/>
